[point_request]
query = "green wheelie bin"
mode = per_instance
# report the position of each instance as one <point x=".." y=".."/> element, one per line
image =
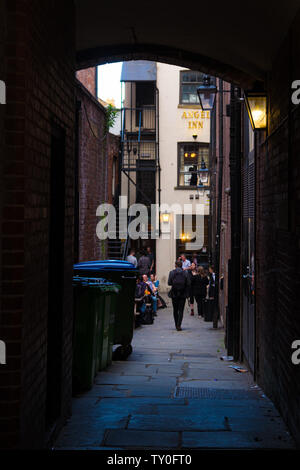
<point x="124" y="274"/>
<point x="93" y="328"/>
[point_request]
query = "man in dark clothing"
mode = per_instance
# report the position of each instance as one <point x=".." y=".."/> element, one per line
<point x="199" y="287"/>
<point x="180" y="282"/>
<point x="193" y="180"/>
<point x="151" y="258"/>
<point x="144" y="264"/>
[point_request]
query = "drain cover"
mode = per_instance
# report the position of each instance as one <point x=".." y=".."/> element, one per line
<point x="214" y="393"/>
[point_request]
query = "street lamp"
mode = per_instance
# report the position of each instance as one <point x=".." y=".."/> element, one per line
<point x="207" y="94"/>
<point x="256" y="103"/>
<point x="203" y="174"/>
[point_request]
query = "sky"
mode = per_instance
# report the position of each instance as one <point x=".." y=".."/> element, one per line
<point x="109" y="85"/>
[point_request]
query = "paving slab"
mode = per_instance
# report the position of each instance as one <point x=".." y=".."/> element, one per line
<point x="101" y="391"/>
<point x="122" y="379"/>
<point x="141" y="439"/>
<point x="179" y="423"/>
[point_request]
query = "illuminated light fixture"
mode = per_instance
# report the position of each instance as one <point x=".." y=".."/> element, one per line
<point x="207" y="94"/>
<point x="185" y="237"/>
<point x="256" y="103"/>
<point x="165" y="217"/>
<point x="186" y="155"/>
<point x="193" y="155"/>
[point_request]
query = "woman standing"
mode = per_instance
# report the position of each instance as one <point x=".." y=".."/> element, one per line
<point x="199" y="286"/>
<point x="192" y="271"/>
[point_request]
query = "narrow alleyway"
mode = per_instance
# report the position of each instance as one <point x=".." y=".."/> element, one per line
<point x="174" y="392"/>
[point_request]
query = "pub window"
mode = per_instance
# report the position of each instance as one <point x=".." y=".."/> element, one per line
<point x="193" y="164"/>
<point x="189" y="82"/>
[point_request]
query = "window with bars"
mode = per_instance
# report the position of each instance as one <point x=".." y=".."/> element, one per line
<point x="189" y="82"/>
<point x="193" y="164"/>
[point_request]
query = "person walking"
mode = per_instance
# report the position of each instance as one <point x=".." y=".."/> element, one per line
<point x="199" y="287"/>
<point x="144" y="264"/>
<point x="131" y="258"/>
<point x="180" y="283"/>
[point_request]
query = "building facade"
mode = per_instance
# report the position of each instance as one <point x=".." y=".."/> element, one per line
<point x="166" y="160"/>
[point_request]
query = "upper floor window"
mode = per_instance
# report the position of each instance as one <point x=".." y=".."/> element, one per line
<point x="189" y="82"/>
<point x="193" y="164"/>
<point x="145" y="102"/>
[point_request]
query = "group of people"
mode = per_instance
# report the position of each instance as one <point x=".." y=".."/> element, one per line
<point x="145" y="264"/>
<point x="147" y="299"/>
<point x="192" y="282"/>
<point x="188" y="281"/>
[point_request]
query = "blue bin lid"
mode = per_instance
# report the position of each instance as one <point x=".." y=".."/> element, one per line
<point x="104" y="265"/>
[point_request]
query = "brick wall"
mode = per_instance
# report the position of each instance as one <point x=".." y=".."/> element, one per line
<point x="39" y="60"/>
<point x="88" y="78"/>
<point x="278" y="228"/>
<point x="93" y="171"/>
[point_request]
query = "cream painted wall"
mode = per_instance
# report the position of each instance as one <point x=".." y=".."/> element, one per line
<point x="174" y="128"/>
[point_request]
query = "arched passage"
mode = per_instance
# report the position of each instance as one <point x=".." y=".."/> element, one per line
<point x="237" y="43"/>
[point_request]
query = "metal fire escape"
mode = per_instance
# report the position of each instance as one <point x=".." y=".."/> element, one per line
<point x="139" y="154"/>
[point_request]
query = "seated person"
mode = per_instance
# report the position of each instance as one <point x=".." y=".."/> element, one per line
<point x="160" y="301"/>
<point x="139" y="294"/>
<point x="152" y="290"/>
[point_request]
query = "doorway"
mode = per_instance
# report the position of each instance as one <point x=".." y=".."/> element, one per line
<point x="55" y="276"/>
<point x="248" y="251"/>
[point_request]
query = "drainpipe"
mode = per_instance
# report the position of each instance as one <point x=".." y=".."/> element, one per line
<point x="220" y="189"/>
<point x="158" y="159"/>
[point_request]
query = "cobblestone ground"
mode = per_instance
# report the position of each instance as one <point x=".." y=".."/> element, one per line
<point x="174" y="392"/>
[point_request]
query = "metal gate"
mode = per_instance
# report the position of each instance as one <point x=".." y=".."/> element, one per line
<point x="248" y="259"/>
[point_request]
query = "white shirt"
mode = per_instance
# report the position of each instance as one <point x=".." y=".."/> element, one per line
<point x="132" y="259"/>
<point x="186" y="264"/>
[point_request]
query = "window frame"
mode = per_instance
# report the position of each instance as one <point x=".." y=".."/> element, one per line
<point x="199" y="145"/>
<point x="181" y="83"/>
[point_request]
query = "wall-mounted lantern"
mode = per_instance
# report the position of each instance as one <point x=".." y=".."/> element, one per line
<point x="207" y="94"/>
<point x="165" y="217"/>
<point x="256" y="103"/>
